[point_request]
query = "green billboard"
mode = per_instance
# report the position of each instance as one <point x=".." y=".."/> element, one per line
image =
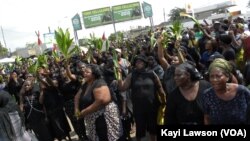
<point x="127" y="12"/>
<point x="97" y="17"/>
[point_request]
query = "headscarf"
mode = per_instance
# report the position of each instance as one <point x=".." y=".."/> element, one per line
<point x="222" y="64"/>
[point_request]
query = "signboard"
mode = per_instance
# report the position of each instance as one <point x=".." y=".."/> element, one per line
<point x="127" y="12"/>
<point x="49" y="39"/>
<point x="76" y="22"/>
<point x="97" y="17"/>
<point x="189" y="8"/>
<point x="147" y="10"/>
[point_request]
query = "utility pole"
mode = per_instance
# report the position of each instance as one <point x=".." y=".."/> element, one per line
<point x="3" y="37"/>
<point x="164" y="15"/>
<point x="113" y="22"/>
<point x="49" y="30"/>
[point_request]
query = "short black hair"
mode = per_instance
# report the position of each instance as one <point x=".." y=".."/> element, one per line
<point x="191" y="69"/>
<point x="96" y="71"/>
<point x="226" y="39"/>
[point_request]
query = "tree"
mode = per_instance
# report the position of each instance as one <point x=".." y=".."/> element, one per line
<point x="83" y="42"/>
<point x="112" y="36"/>
<point x="175" y="14"/>
<point x="3" y="51"/>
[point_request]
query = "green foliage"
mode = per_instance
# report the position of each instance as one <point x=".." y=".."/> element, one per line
<point x="96" y="42"/>
<point x="116" y="65"/>
<point x="33" y="68"/>
<point x="152" y="41"/>
<point x="177" y="29"/>
<point x="112" y="36"/>
<point x="64" y="43"/>
<point x="18" y="61"/>
<point x="56" y="56"/>
<point x="42" y="61"/>
<point x="175" y="14"/>
<point x="89" y="54"/>
<point x="193" y="18"/>
<point x="3" y="51"/>
<point x="83" y="42"/>
<point x="10" y="67"/>
<point x="166" y="38"/>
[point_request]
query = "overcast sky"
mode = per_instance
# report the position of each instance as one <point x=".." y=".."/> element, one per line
<point x="21" y="18"/>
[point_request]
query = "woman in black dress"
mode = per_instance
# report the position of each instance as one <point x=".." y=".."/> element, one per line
<point x="68" y="87"/>
<point x="184" y="102"/>
<point x="145" y="89"/>
<point x="101" y="114"/>
<point x="53" y="103"/>
<point x="34" y="112"/>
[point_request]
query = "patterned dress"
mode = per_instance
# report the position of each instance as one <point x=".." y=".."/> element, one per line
<point x="104" y="124"/>
<point x="234" y="111"/>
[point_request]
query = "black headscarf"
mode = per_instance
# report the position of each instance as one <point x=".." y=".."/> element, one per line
<point x="7" y="105"/>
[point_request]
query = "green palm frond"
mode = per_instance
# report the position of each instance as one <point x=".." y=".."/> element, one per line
<point x="33" y="68"/>
<point x="107" y="45"/>
<point x="96" y="42"/>
<point x="42" y="61"/>
<point x="89" y="55"/>
<point x="166" y="38"/>
<point x="64" y="43"/>
<point x="18" y="60"/>
<point x="177" y="29"/>
<point x="116" y="65"/>
<point x="10" y="67"/>
<point x="152" y="41"/>
<point x="56" y="56"/>
<point x="189" y="16"/>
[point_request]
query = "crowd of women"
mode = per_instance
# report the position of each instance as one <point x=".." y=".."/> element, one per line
<point x="202" y="79"/>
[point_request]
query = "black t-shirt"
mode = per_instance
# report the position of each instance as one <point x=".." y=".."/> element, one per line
<point x="181" y="111"/>
<point x="87" y="96"/>
<point x="143" y="89"/>
<point x="168" y="80"/>
<point x="68" y="90"/>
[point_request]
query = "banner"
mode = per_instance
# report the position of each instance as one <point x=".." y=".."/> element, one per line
<point x="49" y="39"/>
<point x="147" y="10"/>
<point x="189" y="7"/>
<point x="127" y="12"/>
<point x="76" y="22"/>
<point x="97" y="17"/>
